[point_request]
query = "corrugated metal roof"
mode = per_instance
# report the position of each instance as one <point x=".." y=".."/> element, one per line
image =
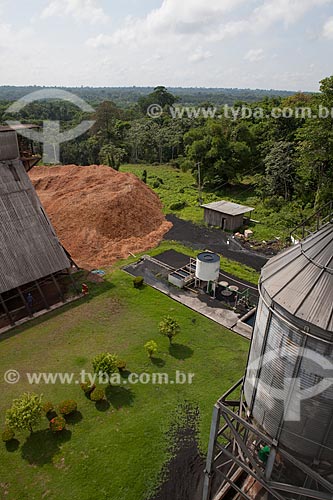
<point x="29" y="247"/>
<point x="300" y="280"/>
<point x="22" y="126"/>
<point x="227" y="207"/>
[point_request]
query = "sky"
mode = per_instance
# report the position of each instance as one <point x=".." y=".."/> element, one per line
<point x="267" y="44"/>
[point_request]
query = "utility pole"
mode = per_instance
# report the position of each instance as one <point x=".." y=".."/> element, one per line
<point x="199" y="182"/>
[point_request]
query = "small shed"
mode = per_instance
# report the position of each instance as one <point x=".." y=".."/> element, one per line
<point x="225" y="214"/>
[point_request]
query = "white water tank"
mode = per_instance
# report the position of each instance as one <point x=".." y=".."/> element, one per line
<point x="208" y="266"/>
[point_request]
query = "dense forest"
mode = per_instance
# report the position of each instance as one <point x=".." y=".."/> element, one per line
<point x="125" y="96"/>
<point x="289" y="157"/>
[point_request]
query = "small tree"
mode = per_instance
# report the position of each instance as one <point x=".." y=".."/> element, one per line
<point x="169" y="328"/>
<point x="105" y="364"/>
<point x="25" y="412"/>
<point x="151" y="348"/>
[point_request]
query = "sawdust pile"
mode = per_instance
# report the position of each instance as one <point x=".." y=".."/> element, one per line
<point x="100" y="215"/>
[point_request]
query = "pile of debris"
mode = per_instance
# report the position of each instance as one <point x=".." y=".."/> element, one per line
<point x="272" y="247"/>
<point x="99" y="214"/>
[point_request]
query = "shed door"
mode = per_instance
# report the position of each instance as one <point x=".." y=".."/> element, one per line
<point x="223" y="221"/>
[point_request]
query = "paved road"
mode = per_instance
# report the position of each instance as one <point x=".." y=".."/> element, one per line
<point x="202" y="238"/>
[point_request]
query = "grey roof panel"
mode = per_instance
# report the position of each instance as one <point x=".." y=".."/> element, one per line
<point x="227" y="207"/>
<point x="300" y="280"/>
<point x="29" y="247"/>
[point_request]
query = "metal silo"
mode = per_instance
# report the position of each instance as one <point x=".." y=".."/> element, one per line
<point x="289" y="380"/>
<point x="272" y="432"/>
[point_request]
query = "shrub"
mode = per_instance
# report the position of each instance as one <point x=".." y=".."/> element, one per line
<point x="121" y="364"/>
<point x="169" y="328"/>
<point x="179" y="205"/>
<point x="48" y="407"/>
<point x="57" y="424"/>
<point x="97" y="395"/>
<point x="67" y="407"/>
<point x="7" y="435"/>
<point x="87" y="388"/>
<point x="105" y="363"/>
<point x="138" y="281"/>
<point x="151" y="348"/>
<point x="25" y="412"/>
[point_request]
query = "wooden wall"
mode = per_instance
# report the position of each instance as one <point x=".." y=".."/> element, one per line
<point x="224" y="221"/>
<point x="29" y="247"/>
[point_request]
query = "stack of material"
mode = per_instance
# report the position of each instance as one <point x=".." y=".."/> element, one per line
<point x="100" y="215"/>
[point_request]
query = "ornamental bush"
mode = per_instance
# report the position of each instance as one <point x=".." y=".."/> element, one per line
<point x="169" y="327"/>
<point x="87" y="388"/>
<point x="7" y="435"/>
<point x="25" y="413"/>
<point x="97" y="395"/>
<point x="121" y="364"/>
<point x="105" y="363"/>
<point x="138" y="281"/>
<point x="151" y="348"/>
<point x="57" y="424"/>
<point x="48" y="407"/>
<point x="67" y="407"/>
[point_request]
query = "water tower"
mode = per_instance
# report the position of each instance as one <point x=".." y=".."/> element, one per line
<point x="272" y="433"/>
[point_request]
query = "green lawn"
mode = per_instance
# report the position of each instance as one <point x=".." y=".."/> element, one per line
<point x="180" y="186"/>
<point x="118" y="453"/>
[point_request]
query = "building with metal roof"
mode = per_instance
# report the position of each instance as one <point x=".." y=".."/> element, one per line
<point x="31" y="256"/>
<point x="9" y="143"/>
<point x="225" y="214"/>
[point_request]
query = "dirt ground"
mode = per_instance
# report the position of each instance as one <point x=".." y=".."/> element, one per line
<point x="100" y="215"/>
<point x="185" y="471"/>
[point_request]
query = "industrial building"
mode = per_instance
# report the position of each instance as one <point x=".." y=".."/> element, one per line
<point x="272" y="433"/>
<point x="34" y="267"/>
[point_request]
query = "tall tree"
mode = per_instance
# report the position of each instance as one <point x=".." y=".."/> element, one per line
<point x="315" y="150"/>
<point x="280" y="170"/>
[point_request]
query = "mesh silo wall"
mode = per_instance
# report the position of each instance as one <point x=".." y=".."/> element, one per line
<point x="282" y="388"/>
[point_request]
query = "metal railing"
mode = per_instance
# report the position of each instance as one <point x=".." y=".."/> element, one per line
<point x="313" y="223"/>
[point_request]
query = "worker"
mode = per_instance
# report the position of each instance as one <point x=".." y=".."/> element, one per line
<point x="30" y="301"/>
<point x="264" y="453"/>
<point x="85" y="289"/>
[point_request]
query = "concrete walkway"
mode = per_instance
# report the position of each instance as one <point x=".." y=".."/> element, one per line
<point x="209" y="307"/>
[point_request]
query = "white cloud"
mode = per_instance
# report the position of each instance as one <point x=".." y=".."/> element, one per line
<point x="174" y="18"/>
<point x="286" y="11"/>
<point x="254" y="55"/>
<point x="8" y="32"/>
<point x="328" y="29"/>
<point x="80" y="10"/>
<point x="99" y="41"/>
<point x="207" y="20"/>
<point x="200" y="55"/>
